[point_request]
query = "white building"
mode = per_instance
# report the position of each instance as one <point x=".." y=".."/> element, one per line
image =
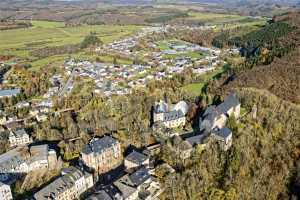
<point x="171" y="118"/>
<point x="22" y="160"/>
<point x="5" y="192"/>
<point x="136" y="159"/>
<point x="18" y="138"/>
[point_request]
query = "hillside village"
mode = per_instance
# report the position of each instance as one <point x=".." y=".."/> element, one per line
<point x="103" y="170"/>
<point x="148" y="101"/>
<point x="118" y="79"/>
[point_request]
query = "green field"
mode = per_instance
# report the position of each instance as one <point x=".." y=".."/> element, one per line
<point x="215" y="18"/>
<point x="195" y="88"/>
<point x="20" y="41"/>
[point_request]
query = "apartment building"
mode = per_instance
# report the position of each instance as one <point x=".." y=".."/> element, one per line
<point x="102" y="154"/>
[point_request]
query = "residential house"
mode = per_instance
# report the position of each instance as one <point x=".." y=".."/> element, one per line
<point x="102" y="154"/>
<point x="5" y="192"/>
<point x="70" y="185"/>
<point x="19" y="137"/>
<point x="22" y="160"/>
<point x="138" y="185"/>
<point x="136" y="159"/>
<point x="223" y="136"/>
<point x="171" y="118"/>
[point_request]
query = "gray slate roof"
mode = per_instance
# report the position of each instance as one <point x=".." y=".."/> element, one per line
<point x="173" y="115"/>
<point x="198" y="139"/>
<point x="136" y="157"/>
<point x="125" y="186"/>
<point x="101" y="195"/>
<point x="222" y="133"/>
<point x="229" y="102"/>
<point x="11" y="160"/>
<point x="99" y="145"/>
<point x="60" y="185"/>
<point x="9" y="93"/>
<point x="20" y="133"/>
<point x="140" y="176"/>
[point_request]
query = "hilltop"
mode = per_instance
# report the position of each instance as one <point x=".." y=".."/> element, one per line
<point x="281" y="76"/>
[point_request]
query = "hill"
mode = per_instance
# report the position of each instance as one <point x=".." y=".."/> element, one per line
<point x="263" y="162"/>
<point x="277" y="62"/>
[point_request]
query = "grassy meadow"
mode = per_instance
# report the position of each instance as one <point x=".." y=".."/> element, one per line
<point x="19" y="42"/>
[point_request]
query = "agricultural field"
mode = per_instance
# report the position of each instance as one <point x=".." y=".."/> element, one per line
<point x="215" y="18"/>
<point x="20" y="42"/>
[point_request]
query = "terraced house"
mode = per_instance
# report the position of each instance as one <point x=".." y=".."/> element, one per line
<point x="19" y="137"/>
<point x="102" y="154"/>
<point x="70" y="185"/>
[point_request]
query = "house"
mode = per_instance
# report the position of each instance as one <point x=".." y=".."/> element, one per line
<point x="216" y="116"/>
<point x="171" y="118"/>
<point x="223" y="136"/>
<point x="70" y="185"/>
<point x="138" y="185"/>
<point x="5" y="192"/>
<point x="22" y="104"/>
<point x="136" y="159"/>
<point x="9" y="93"/>
<point x="102" y="154"/>
<point x="41" y="117"/>
<point x="22" y="160"/>
<point x="19" y="137"/>
<point x="101" y="195"/>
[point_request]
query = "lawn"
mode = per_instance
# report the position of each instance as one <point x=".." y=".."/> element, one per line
<point x="195" y="88"/>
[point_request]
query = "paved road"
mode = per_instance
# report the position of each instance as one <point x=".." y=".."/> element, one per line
<point x="68" y="84"/>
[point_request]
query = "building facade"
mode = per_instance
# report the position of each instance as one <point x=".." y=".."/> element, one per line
<point x="22" y="160"/>
<point x="170" y="118"/>
<point x="69" y="186"/>
<point x="136" y="159"/>
<point x="5" y="192"/>
<point x="19" y="137"/>
<point x="102" y="154"/>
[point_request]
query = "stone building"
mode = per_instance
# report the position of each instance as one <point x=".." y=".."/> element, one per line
<point x="136" y="159"/>
<point x="5" y="192"/>
<point x="19" y="137"/>
<point x="213" y="121"/>
<point x="138" y="185"/>
<point x="69" y="186"/>
<point x="171" y="118"/>
<point x="216" y="116"/>
<point x="102" y="154"/>
<point x="23" y="160"/>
